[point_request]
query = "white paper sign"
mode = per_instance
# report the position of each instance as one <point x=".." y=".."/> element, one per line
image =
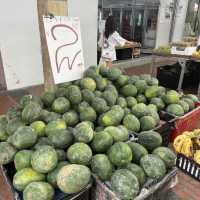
<point x="65" y="48"/>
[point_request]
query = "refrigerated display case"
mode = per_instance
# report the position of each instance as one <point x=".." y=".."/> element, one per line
<point x="140" y="15"/>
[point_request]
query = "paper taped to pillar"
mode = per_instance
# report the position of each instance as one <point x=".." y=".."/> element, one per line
<point x="65" y="47"/>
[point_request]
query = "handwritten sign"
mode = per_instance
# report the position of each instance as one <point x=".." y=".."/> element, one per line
<point x="65" y="47"/>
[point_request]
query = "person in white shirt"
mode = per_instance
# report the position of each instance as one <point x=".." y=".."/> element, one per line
<point x="109" y="39"/>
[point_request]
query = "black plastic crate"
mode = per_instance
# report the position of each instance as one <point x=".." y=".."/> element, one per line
<point x="189" y="166"/>
<point x="9" y="172"/>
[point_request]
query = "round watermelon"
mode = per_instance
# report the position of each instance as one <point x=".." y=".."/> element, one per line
<point x="138" y="151"/>
<point x="61" y="105"/>
<point x="39" y="128"/>
<point x="25" y="176"/>
<point x="79" y="153"/>
<point x="38" y="191"/>
<point x="101" y="166"/>
<point x="44" y="159"/>
<point x="153" y="166"/>
<point x="125" y="184"/>
<point x="131" y="123"/>
<point x="101" y="142"/>
<point x="83" y="132"/>
<point x="23" y="159"/>
<point x="7" y="153"/>
<point x="120" y="154"/>
<point x="167" y="155"/>
<point x="73" y="178"/>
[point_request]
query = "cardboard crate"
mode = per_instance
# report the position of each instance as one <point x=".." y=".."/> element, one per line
<point x="151" y="190"/>
<point x="7" y="192"/>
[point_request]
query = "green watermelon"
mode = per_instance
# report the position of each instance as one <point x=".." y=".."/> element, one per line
<point x="122" y="80"/>
<point x="141" y="98"/>
<point x="131" y="101"/>
<point x="140" y="110"/>
<point x="175" y="109"/>
<point x="73" y="178"/>
<point x="88" y="83"/>
<point x="23" y="138"/>
<point x="55" y="125"/>
<point x="120" y="154"/>
<point x="83" y="132"/>
<point x="184" y="105"/>
<point x="113" y="117"/>
<point x="147" y="123"/>
<point x="61" y="105"/>
<point x="101" y="166"/>
<point x="48" y="98"/>
<point x="71" y="118"/>
<point x="31" y="112"/>
<point x="44" y="159"/>
<point x="152" y="92"/>
<point x="38" y="191"/>
<point x="42" y="141"/>
<point x="88" y="95"/>
<point x="121" y="101"/>
<point x="129" y="90"/>
<point x="92" y="72"/>
<point x="146" y="77"/>
<point x="133" y="79"/>
<point x="7" y="153"/>
<point x="23" y="159"/>
<point x="13" y="113"/>
<point x="138" y="151"/>
<point x="189" y="102"/>
<point x="99" y="105"/>
<point x="61" y="138"/>
<point x="125" y="184"/>
<point x="158" y="102"/>
<point x="137" y="171"/>
<point x="153" y="166"/>
<point x="118" y="134"/>
<point x="74" y="94"/>
<point x="153" y="81"/>
<point x="193" y="97"/>
<point x="79" y="153"/>
<point x="39" y="128"/>
<point x="150" y="139"/>
<point x="171" y="97"/>
<point x="52" y="175"/>
<point x="167" y="155"/>
<point x="131" y="123"/>
<point x="101" y="142"/>
<point x="13" y="125"/>
<point x="25" y="176"/>
<point x="101" y="83"/>
<point x="110" y="97"/>
<point x="47" y="116"/>
<point x="113" y="73"/>
<point x="141" y="86"/>
<point x="88" y="114"/>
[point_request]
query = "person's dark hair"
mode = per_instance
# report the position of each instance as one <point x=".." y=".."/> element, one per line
<point x="110" y="27"/>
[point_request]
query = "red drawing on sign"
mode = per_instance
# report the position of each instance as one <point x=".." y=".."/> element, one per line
<point x="59" y="65"/>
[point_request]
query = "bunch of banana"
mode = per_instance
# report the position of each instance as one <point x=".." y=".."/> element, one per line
<point x="183" y="144"/>
<point x="197" y="156"/>
<point x="188" y="143"/>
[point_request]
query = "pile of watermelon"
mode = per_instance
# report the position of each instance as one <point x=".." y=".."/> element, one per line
<point x="57" y="139"/>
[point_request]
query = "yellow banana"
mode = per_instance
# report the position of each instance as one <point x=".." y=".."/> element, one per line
<point x="187" y="147"/>
<point x="197" y="156"/>
<point x="178" y="142"/>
